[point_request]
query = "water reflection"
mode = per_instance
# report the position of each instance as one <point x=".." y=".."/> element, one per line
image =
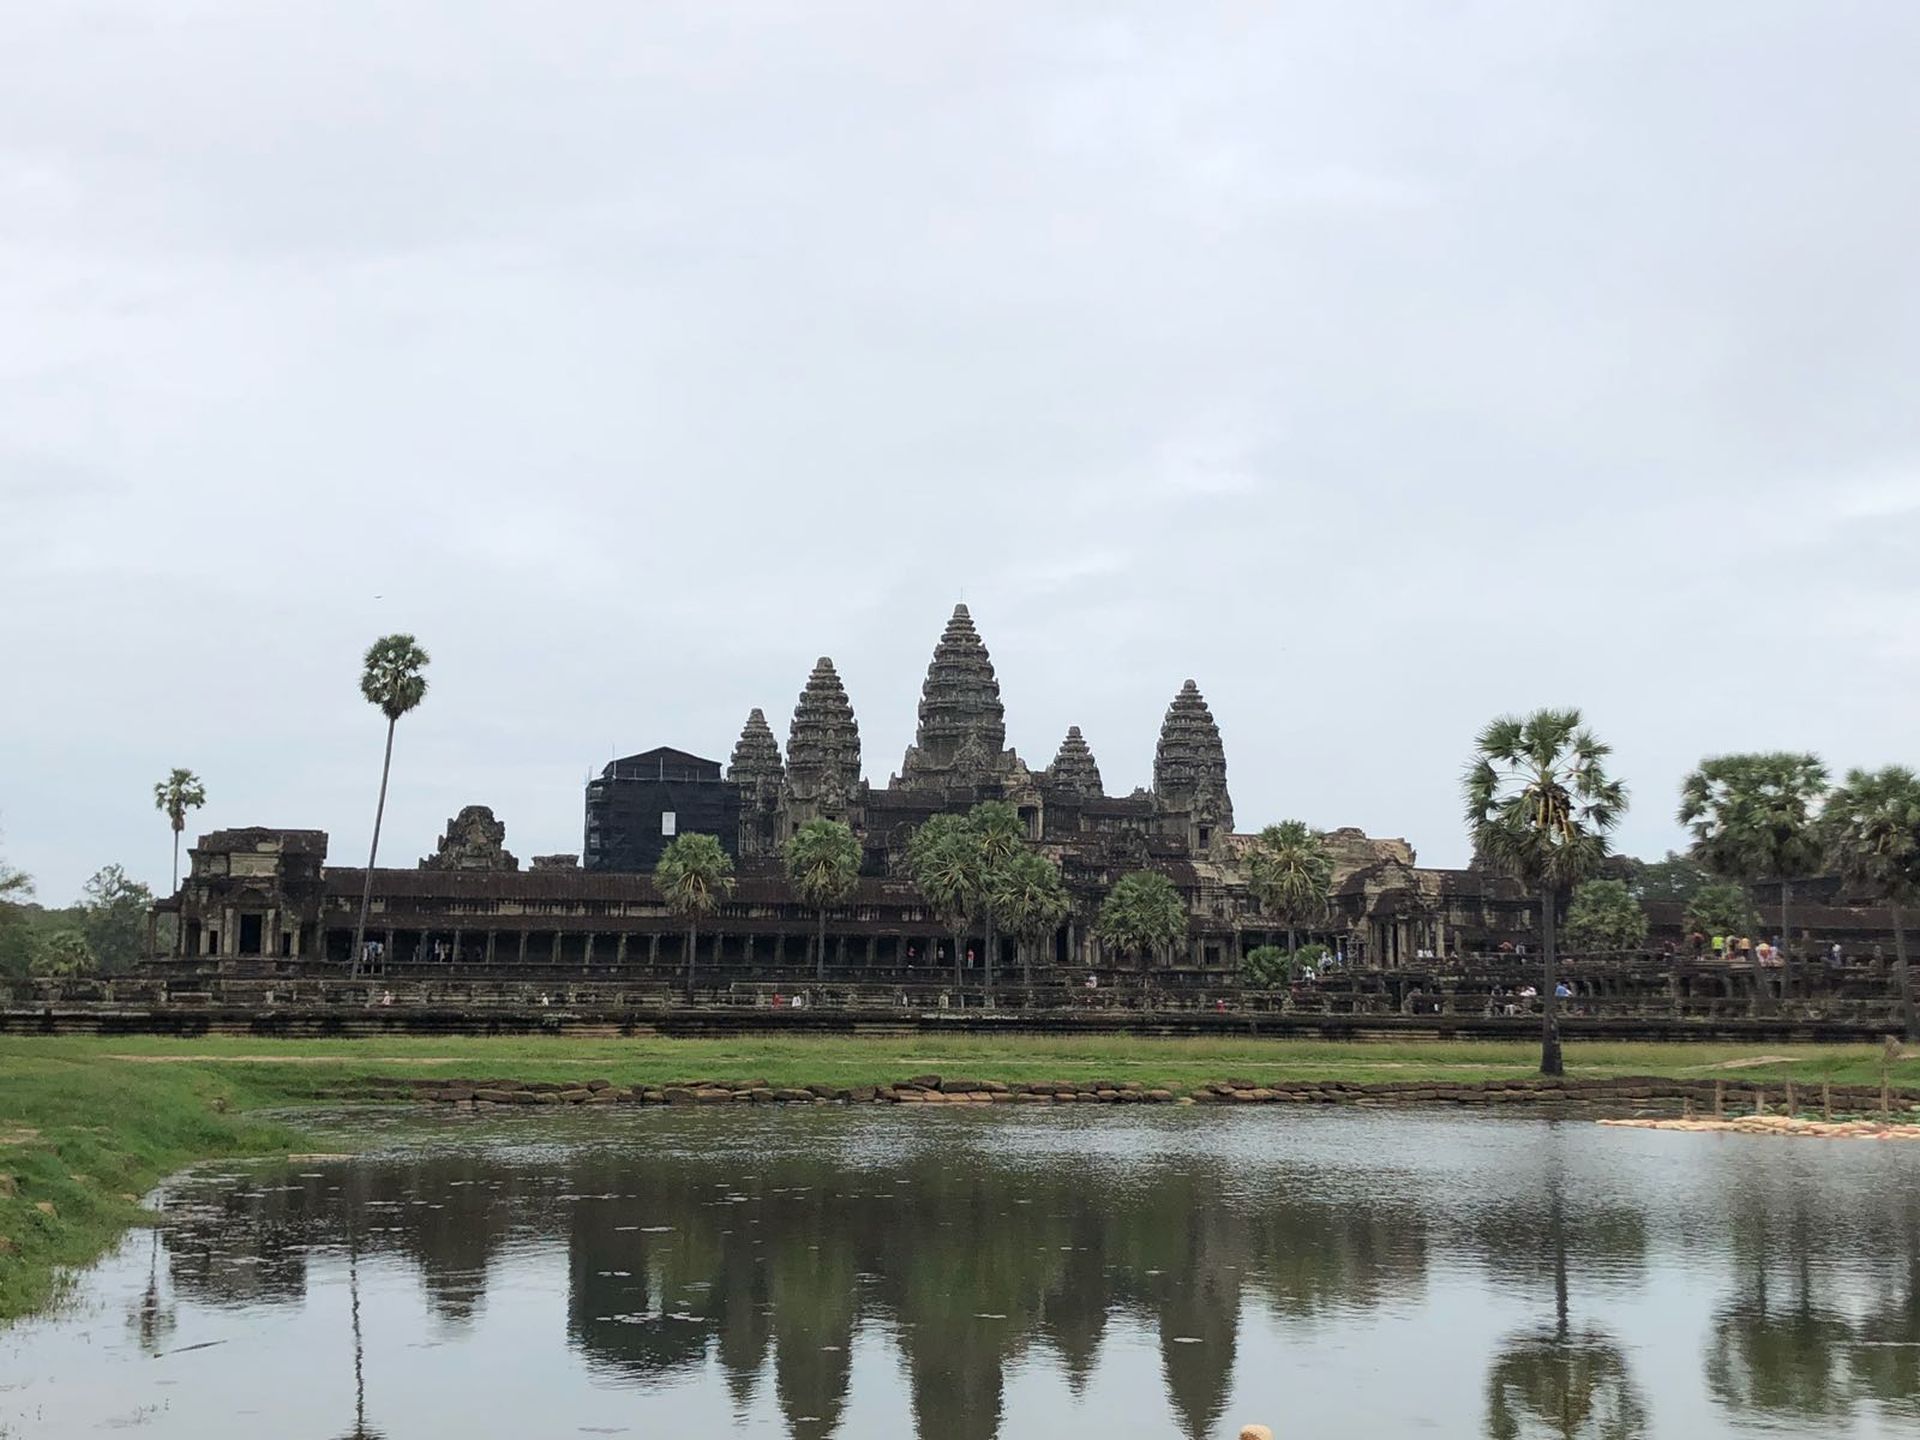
<point x="760" y="1257"/>
<point x="1571" y="1384"/>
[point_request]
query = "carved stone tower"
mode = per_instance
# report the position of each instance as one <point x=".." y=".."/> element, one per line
<point x="823" y="752"/>
<point x="962" y="738"/>
<point x="1190" y="772"/>
<point x="757" y="770"/>
<point x="1074" y="768"/>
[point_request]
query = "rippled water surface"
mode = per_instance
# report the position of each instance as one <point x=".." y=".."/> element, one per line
<point x="865" y="1273"/>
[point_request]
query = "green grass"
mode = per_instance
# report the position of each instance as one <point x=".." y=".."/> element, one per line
<point x="86" y="1123"/>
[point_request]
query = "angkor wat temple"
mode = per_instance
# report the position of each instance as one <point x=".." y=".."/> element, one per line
<point x="266" y="895"/>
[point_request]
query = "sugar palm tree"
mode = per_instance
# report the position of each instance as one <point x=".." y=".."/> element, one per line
<point x="946" y="869"/>
<point x="392" y="678"/>
<point x="999" y="835"/>
<point x="1142" y="914"/>
<point x="1028" y="896"/>
<point x="180" y="792"/>
<point x="1540" y="806"/>
<point x="1290" y="872"/>
<point x="823" y="866"/>
<point x="694" y="875"/>
<point x="1872" y="831"/>
<point x="1753" y="819"/>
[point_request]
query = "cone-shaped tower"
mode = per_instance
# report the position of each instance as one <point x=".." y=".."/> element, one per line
<point x="1190" y="766"/>
<point x="962" y="738"/>
<point x="1074" y="768"/>
<point x="756" y="758"/>
<point x="757" y="770"/>
<point x="823" y="750"/>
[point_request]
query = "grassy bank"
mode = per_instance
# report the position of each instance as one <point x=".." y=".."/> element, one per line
<point x="87" y="1125"/>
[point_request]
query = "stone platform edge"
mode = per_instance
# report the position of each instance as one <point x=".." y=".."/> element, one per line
<point x="1752" y="1096"/>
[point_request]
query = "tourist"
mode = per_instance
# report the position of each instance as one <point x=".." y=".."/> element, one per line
<point x="1764" y="954"/>
<point x="1093" y="981"/>
<point x="1563" y="991"/>
<point x="1834" y="956"/>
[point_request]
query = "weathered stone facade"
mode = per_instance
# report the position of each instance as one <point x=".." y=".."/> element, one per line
<point x="263" y="893"/>
<point x="474" y="840"/>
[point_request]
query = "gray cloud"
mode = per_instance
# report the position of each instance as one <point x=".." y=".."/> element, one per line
<point x="1380" y="367"/>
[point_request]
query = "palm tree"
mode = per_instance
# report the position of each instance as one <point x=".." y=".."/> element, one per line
<point x="391" y="678"/>
<point x="694" y="875"/>
<point x="946" y="869"/>
<point x="1026" y="892"/>
<point x="1752" y="818"/>
<point x="1540" y="807"/>
<point x="1872" y="833"/>
<point x="1142" y="913"/>
<point x="999" y="835"/>
<point x="823" y="866"/>
<point x="180" y="792"/>
<point x="1290" y="872"/>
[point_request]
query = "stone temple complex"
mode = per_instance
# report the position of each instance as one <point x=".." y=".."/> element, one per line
<point x="266" y="893"/>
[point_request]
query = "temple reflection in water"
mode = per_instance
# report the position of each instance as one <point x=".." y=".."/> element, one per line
<point x="763" y="1259"/>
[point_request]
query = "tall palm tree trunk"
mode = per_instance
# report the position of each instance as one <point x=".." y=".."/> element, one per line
<point x="959" y="980"/>
<point x="1025" y="952"/>
<point x="1550" y="1062"/>
<point x="987" y="957"/>
<point x="820" y="947"/>
<point x="1909" y="1018"/>
<point x="176" y="859"/>
<point x="366" y="887"/>
<point x="1292" y="941"/>
<point x="693" y="948"/>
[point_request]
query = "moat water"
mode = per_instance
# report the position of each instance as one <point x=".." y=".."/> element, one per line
<point x="865" y="1273"/>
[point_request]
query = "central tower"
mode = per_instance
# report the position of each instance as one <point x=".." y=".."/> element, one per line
<point x="961" y="742"/>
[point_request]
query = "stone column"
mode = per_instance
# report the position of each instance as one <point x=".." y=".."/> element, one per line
<point x="653" y="948"/>
<point x="490" y="945"/>
<point x="556" y="946"/>
<point x="457" y="934"/>
<point x="523" y="947"/>
<point x="587" y="962"/>
<point x="840" y="951"/>
<point x="620" y="950"/>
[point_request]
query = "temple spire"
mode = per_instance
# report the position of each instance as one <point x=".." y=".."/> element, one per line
<point x="962" y="736"/>
<point x="756" y="757"/>
<point x="1074" y="768"/>
<point x="1190" y="762"/>
<point x="823" y="748"/>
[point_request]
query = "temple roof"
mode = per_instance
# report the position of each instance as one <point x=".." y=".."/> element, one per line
<point x="756" y="757"/>
<point x="1074" y="768"/>
<point x="962" y="735"/>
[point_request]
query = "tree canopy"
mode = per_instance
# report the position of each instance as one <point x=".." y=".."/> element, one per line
<point x="114" y="918"/>
<point x="62" y="954"/>
<point x="823" y="863"/>
<point x="180" y="792"/>
<point x="1752" y="816"/>
<point x="1871" y="831"/>
<point x="392" y="677"/>
<point x="1539" y="802"/>
<point x="1028" y="895"/>
<point x="1290" y="872"/>
<point x="1142" y="914"/>
<point x="1605" y="916"/>
<point x="694" y="875"/>
<point x="1722" y="908"/>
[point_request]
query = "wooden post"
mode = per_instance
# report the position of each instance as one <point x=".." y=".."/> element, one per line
<point x="1759" y="1100"/>
<point x="1793" y="1104"/>
<point x="1826" y="1100"/>
<point x="1719" y="1099"/>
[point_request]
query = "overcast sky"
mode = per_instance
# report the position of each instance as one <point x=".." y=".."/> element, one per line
<point x="1380" y="367"/>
